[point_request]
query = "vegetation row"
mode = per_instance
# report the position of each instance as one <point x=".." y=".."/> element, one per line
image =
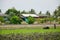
<point x="14" y="16"/>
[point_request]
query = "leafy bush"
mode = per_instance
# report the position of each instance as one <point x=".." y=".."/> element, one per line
<point x="59" y="22"/>
<point x="42" y="20"/>
<point x="2" y="19"/>
<point x="30" y="20"/>
<point x="15" y="20"/>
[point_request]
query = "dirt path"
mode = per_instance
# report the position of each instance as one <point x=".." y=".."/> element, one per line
<point x="22" y="26"/>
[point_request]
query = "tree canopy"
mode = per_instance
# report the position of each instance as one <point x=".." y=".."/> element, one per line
<point x="57" y="12"/>
<point x="12" y="11"/>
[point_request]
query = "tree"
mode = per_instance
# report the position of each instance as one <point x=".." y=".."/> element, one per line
<point x="32" y="11"/>
<point x="58" y="7"/>
<point x="48" y="13"/>
<point x="15" y="20"/>
<point x="12" y="10"/>
<point x="40" y="12"/>
<point x="30" y="20"/>
<point x="57" y="12"/>
<point x="19" y="14"/>
<point x="11" y="14"/>
<point x="0" y="10"/>
<point x="1" y="19"/>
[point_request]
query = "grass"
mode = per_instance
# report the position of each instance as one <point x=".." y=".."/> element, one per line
<point x="30" y="33"/>
<point x="28" y="30"/>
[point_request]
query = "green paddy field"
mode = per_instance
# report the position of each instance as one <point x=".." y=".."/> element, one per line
<point x="30" y="33"/>
<point x="29" y="30"/>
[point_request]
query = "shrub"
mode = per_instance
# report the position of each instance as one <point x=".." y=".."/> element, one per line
<point x="15" y="20"/>
<point x="59" y="22"/>
<point x="2" y="19"/>
<point x="42" y="21"/>
<point x="31" y="20"/>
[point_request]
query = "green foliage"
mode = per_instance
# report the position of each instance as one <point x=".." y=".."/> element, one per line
<point x="15" y="20"/>
<point x="30" y="20"/>
<point x="19" y="14"/>
<point x="59" y="21"/>
<point x="26" y="30"/>
<point x="40" y="12"/>
<point x="2" y="19"/>
<point x="57" y="12"/>
<point x="50" y="19"/>
<point x="13" y="16"/>
<point x="58" y="7"/>
<point x="48" y="13"/>
<point x="42" y="20"/>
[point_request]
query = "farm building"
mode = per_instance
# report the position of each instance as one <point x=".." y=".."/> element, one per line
<point x="34" y="15"/>
<point x="25" y="16"/>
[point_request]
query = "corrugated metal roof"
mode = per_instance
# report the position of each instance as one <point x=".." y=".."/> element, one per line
<point x="27" y="15"/>
<point x="34" y="15"/>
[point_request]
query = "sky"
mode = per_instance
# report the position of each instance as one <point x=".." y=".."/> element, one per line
<point x="37" y="5"/>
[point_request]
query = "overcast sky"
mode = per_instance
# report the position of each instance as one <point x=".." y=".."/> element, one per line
<point x="38" y="5"/>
